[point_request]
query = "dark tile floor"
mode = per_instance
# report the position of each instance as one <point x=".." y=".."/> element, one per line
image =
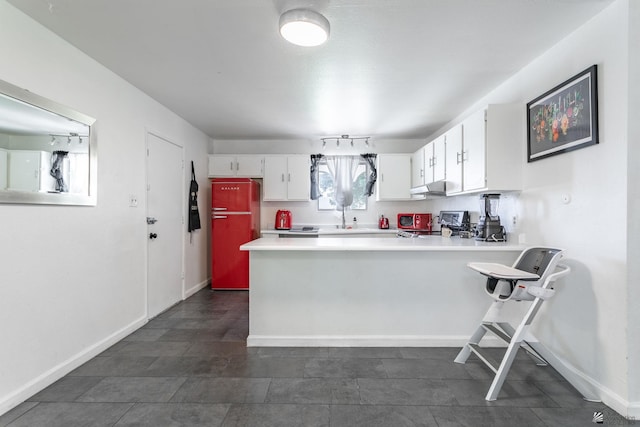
<point x="190" y="367"/>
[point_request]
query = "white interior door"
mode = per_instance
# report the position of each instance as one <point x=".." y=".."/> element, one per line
<point x="165" y="206"/>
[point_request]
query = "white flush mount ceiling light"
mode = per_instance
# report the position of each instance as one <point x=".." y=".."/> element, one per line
<point x="304" y="27"/>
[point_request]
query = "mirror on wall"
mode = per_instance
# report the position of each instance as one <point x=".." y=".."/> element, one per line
<point x="47" y="151"/>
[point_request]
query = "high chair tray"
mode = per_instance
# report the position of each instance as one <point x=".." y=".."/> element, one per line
<point x="500" y="271"/>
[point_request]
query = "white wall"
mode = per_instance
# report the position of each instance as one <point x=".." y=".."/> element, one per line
<point x="588" y="323"/>
<point x="73" y="279"/>
<point x="633" y="205"/>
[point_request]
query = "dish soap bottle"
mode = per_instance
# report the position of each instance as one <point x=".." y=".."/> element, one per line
<point x="355" y="223"/>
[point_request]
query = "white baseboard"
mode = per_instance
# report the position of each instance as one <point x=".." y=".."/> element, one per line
<point x="189" y="292"/>
<point x="54" y="374"/>
<point x="365" y="341"/>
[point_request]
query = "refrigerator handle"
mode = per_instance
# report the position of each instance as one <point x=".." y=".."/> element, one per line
<point x="219" y="217"/>
<point x="219" y="209"/>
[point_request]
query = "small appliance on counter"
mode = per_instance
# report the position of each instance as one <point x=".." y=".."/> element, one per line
<point x="383" y="224"/>
<point x="456" y="221"/>
<point x="489" y="228"/>
<point x="283" y="220"/>
<point x="415" y="221"/>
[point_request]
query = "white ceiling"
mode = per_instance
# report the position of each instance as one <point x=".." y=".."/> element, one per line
<point x="391" y="69"/>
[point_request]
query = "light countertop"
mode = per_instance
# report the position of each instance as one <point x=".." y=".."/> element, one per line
<point x="330" y="231"/>
<point x="426" y="243"/>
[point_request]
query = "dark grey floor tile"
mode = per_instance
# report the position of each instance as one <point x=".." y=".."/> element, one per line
<point x="66" y="389"/>
<point x="72" y="414"/>
<point x="313" y="390"/>
<point x="565" y="395"/>
<point x="174" y="415"/>
<point x="119" y="366"/>
<point x="486" y="417"/>
<point x="114" y="348"/>
<point x="133" y="389"/>
<point x="146" y="334"/>
<point x="198" y="312"/>
<point x="365" y="352"/>
<point x="193" y="335"/>
<point x="438" y="353"/>
<point x="169" y="323"/>
<point x="513" y="393"/>
<point x="264" y="367"/>
<point x="236" y="334"/>
<point x="220" y="349"/>
<point x="277" y="415"/>
<point x="395" y="391"/>
<point x="425" y="368"/>
<point x="193" y="366"/>
<point x="293" y="351"/>
<point x="579" y="417"/>
<point x="154" y="348"/>
<point x="381" y="416"/>
<point x="16" y="412"/>
<point x="344" y="368"/>
<point x="223" y="390"/>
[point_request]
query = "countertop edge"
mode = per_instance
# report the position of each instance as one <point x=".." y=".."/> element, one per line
<point x="433" y="244"/>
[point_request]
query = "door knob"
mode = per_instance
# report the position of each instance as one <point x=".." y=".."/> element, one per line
<point x="152" y="236"/>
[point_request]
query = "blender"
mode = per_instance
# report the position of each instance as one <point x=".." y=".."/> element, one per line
<point x="489" y="228"/>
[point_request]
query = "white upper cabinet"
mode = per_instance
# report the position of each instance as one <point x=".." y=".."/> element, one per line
<point x="434" y="158"/>
<point x="286" y="178"/>
<point x="418" y="167"/>
<point x="394" y="177"/>
<point x="484" y="153"/>
<point x="249" y="166"/>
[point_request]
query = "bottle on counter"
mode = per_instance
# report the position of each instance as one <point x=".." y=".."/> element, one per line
<point x="355" y="223"/>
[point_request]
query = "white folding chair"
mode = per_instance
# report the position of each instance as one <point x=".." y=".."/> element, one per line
<point x="530" y="279"/>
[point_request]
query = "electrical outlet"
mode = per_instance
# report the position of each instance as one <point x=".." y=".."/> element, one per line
<point x="133" y="201"/>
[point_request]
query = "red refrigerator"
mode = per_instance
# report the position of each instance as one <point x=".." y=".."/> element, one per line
<point x="235" y="220"/>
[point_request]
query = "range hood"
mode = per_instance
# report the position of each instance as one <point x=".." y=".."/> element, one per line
<point x="436" y="188"/>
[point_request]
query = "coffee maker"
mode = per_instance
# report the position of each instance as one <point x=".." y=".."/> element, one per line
<point x="489" y="228"/>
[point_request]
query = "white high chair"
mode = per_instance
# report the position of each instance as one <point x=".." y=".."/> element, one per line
<point x="530" y="279"/>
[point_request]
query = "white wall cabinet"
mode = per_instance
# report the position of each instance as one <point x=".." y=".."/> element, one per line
<point x="226" y="165"/>
<point x="434" y="158"/>
<point x="394" y="177"/>
<point x="487" y="156"/>
<point x="418" y="167"/>
<point x="286" y="178"/>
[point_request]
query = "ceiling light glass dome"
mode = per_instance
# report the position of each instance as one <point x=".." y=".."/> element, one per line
<point x="304" y="27"/>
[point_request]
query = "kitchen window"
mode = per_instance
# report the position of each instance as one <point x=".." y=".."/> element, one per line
<point x="328" y="190"/>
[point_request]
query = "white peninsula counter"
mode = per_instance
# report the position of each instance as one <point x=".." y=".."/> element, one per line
<point x="368" y="291"/>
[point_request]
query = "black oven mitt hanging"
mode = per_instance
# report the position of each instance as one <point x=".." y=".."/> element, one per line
<point x="194" y="215"/>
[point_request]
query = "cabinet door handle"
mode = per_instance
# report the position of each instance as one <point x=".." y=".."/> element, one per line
<point x="282" y="177"/>
<point x="230" y="165"/>
<point x="237" y="166"/>
<point x="458" y="158"/>
<point x="465" y="156"/>
<point x="289" y="177"/>
<point x="434" y="161"/>
<point x="381" y="176"/>
<point x="421" y="173"/>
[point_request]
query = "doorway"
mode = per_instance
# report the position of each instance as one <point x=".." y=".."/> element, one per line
<point x="165" y="221"/>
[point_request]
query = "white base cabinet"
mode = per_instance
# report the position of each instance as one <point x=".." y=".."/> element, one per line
<point x="485" y="152"/>
<point x="226" y="165"/>
<point x="394" y="177"/>
<point x="286" y="178"/>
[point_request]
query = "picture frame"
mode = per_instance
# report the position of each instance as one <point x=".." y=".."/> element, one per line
<point x="564" y="118"/>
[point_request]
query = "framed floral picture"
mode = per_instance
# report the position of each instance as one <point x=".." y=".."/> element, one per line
<point x="565" y="118"/>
